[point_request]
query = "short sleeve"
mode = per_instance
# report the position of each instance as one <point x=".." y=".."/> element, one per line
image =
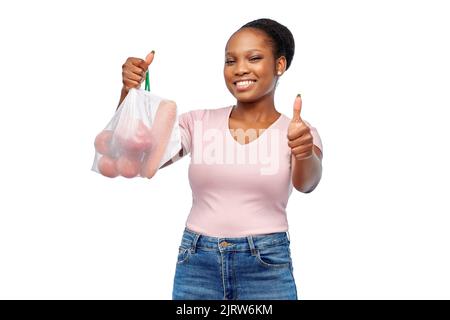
<point x="316" y="137"/>
<point x="186" y="123"/>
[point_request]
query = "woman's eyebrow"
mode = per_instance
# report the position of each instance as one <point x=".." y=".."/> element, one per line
<point x="231" y="52"/>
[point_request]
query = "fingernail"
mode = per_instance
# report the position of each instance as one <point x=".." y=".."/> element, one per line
<point x="299" y="95"/>
<point x="153" y="51"/>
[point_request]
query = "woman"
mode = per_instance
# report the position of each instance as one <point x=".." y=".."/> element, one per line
<point x="245" y="160"/>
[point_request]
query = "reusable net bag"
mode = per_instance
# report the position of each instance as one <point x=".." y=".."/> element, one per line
<point x="140" y="138"/>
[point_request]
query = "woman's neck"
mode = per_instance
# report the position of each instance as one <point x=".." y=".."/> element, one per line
<point x="255" y="112"/>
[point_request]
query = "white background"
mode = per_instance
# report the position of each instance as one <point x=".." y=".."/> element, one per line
<point x="375" y="80"/>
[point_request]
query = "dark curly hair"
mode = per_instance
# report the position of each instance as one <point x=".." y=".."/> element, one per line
<point x="280" y="37"/>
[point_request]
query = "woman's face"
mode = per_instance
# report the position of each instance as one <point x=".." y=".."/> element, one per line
<point x="248" y="56"/>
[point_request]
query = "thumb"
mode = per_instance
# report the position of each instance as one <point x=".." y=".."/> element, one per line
<point x="148" y="59"/>
<point x="297" y="108"/>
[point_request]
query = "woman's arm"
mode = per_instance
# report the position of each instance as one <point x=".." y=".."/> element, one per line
<point x="174" y="159"/>
<point x="306" y="173"/>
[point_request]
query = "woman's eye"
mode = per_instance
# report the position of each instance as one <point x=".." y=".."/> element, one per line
<point x="251" y="59"/>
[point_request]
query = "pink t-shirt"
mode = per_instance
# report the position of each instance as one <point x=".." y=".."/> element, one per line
<point x="237" y="189"/>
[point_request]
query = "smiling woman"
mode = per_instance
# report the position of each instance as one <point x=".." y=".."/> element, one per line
<point x="235" y="244"/>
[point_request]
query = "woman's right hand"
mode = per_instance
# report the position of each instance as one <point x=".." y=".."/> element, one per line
<point x="133" y="71"/>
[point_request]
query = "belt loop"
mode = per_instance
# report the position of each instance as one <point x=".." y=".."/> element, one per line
<point x="288" y="236"/>
<point x="252" y="245"/>
<point x="194" y="242"/>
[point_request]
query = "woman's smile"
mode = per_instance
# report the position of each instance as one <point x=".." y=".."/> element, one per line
<point x="244" y="85"/>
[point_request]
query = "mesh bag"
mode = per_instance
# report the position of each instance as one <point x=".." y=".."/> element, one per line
<point x="142" y="135"/>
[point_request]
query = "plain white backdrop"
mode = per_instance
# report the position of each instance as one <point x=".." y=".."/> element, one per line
<point x="374" y="78"/>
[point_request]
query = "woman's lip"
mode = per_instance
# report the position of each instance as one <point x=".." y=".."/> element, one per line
<point x="244" y="88"/>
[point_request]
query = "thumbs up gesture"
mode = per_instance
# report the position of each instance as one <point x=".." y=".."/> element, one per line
<point x="134" y="69"/>
<point x="299" y="135"/>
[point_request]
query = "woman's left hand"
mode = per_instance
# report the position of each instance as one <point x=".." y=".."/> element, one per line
<point x="299" y="134"/>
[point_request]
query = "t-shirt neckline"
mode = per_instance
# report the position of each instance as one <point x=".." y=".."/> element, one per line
<point x="254" y="140"/>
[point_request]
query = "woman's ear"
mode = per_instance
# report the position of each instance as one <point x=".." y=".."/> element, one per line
<point x="281" y="65"/>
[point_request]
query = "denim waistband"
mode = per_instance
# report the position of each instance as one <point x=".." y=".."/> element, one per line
<point x="195" y="240"/>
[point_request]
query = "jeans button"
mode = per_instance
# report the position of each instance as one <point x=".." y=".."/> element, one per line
<point x="224" y="244"/>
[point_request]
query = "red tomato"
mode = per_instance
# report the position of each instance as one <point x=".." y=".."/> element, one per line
<point x="107" y="167"/>
<point x="102" y="142"/>
<point x="128" y="166"/>
<point x="136" y="141"/>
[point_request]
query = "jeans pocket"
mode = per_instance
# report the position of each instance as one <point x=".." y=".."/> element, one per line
<point x="274" y="257"/>
<point x="183" y="255"/>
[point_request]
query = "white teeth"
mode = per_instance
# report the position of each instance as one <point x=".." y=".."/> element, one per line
<point x="244" y="83"/>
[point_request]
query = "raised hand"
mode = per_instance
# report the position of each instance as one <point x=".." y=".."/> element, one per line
<point x="299" y="135"/>
<point x="134" y="69"/>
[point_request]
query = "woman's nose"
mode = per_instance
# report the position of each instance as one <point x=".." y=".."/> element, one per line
<point x="241" y="68"/>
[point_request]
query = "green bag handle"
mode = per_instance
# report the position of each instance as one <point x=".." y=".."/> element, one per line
<point x="147" y="82"/>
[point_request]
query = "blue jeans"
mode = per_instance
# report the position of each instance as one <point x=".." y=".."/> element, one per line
<point x="245" y="268"/>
